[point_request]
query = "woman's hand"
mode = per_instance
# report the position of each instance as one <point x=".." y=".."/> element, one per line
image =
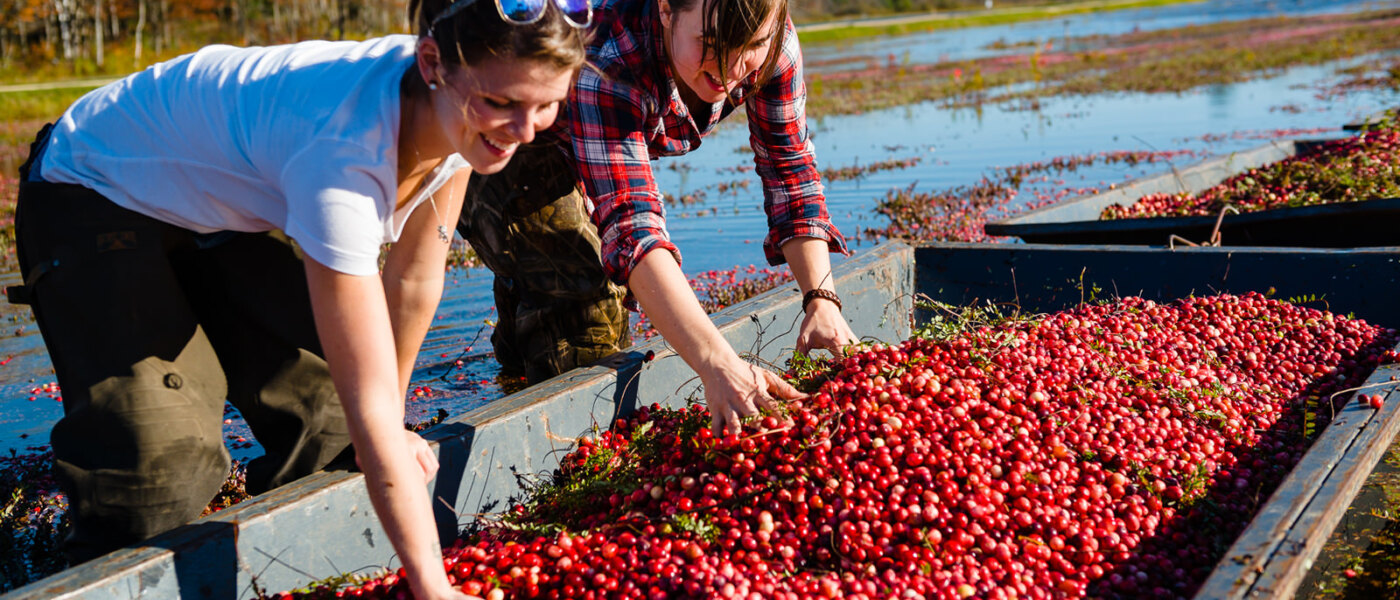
<point x="421" y="452"/>
<point x="423" y="455"/>
<point x="738" y="389"/>
<point x="823" y="327"/>
<point x="733" y="388"/>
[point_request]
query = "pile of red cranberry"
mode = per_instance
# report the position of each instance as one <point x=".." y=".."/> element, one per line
<point x="1113" y="450"/>
<point x="1363" y="167"/>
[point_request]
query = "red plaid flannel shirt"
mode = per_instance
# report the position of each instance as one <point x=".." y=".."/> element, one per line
<point x="629" y="112"/>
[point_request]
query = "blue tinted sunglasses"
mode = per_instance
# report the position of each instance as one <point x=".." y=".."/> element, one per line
<point x="524" y="12"/>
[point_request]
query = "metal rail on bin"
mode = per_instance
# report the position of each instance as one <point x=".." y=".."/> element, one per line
<point x="1339" y="225"/>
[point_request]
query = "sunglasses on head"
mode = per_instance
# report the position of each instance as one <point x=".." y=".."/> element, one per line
<point x="524" y="12"/>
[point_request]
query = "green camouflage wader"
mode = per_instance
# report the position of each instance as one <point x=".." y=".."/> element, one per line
<point x="150" y="328"/>
<point x="556" y="309"/>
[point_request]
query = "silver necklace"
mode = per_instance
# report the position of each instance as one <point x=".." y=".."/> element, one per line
<point x="443" y="234"/>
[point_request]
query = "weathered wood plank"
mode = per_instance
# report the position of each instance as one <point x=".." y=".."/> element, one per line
<point x="1359" y="439"/>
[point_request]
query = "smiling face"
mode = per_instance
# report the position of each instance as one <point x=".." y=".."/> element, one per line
<point x="487" y="110"/>
<point x="694" y="59"/>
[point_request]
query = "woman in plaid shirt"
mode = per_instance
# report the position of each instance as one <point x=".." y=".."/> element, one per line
<point x="657" y="90"/>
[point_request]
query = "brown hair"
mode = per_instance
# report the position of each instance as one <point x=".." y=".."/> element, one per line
<point x="478" y="33"/>
<point x="729" y="26"/>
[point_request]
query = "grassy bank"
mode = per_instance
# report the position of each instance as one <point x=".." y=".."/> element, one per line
<point x="37" y="105"/>
<point x="837" y="30"/>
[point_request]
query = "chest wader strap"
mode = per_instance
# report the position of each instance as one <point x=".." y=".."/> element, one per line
<point x="20" y="294"/>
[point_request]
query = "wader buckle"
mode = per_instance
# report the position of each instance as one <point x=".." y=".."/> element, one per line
<point x="21" y="294"/>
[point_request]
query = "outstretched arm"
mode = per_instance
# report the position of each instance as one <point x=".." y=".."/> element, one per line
<point x="609" y="137"/>
<point x="352" y="319"/>
<point x="371" y="329"/>
<point x="800" y="229"/>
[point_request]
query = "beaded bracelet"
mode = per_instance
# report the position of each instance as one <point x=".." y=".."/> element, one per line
<point x="815" y="293"/>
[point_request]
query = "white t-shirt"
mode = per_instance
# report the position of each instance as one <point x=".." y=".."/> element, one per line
<point x="301" y="137"/>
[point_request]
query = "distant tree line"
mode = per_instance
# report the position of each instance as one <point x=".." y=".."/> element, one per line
<point x="74" y="31"/>
<point x="80" y="32"/>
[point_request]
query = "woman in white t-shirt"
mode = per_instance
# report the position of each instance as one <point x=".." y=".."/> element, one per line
<point x="143" y="236"/>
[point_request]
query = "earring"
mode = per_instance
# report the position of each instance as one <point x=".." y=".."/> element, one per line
<point x="432" y="85"/>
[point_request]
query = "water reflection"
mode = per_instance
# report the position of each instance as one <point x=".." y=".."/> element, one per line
<point x="1000" y="40"/>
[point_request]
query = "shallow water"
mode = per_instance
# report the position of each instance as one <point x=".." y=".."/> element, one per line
<point x="975" y="42"/>
<point x="958" y="147"/>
